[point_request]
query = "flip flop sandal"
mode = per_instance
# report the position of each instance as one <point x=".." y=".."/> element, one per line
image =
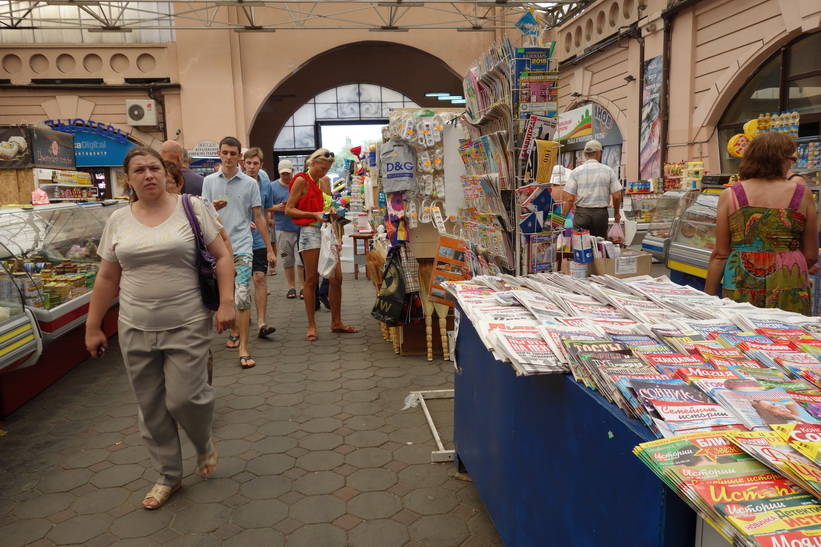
<point x="291" y="294"/>
<point x="265" y="330"/>
<point x="301" y="294"/>
<point x="243" y="362"/>
<point x="346" y="330"/>
<point x="232" y="339"/>
<point x="160" y="493"/>
<point x="207" y="463"/>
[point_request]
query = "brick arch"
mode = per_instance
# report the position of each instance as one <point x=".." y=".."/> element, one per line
<point x="406" y="69"/>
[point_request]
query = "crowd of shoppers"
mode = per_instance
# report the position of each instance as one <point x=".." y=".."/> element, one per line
<point x="149" y="257"/>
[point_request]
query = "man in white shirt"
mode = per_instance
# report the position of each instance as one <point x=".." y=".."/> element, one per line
<point x="590" y="189"/>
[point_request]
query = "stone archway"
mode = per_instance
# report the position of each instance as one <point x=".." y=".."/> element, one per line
<point x="405" y="69"/>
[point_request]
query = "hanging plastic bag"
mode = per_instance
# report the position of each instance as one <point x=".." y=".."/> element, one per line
<point x="616" y="234"/>
<point x="328" y="251"/>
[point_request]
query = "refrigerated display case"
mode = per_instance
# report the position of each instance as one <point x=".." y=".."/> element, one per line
<point x="669" y="207"/>
<point x="49" y="263"/>
<point x="692" y="241"/>
<point x="640" y="209"/>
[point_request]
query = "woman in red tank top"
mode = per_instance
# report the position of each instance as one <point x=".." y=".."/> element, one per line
<point x="306" y="207"/>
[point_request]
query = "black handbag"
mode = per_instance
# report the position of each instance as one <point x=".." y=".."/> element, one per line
<point x="206" y="263"/>
<point x="390" y="302"/>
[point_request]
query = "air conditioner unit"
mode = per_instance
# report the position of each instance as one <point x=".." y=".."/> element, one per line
<point x="141" y="112"/>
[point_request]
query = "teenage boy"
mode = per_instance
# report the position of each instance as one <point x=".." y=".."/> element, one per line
<point x="253" y="163"/>
<point x="236" y="197"/>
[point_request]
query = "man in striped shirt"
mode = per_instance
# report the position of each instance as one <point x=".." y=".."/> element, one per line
<point x="589" y="189"/>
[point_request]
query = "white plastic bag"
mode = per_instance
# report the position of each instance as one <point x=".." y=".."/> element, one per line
<point x="616" y="234"/>
<point x="328" y="251"/>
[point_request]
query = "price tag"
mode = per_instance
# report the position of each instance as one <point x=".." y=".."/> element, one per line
<point x="627" y="265"/>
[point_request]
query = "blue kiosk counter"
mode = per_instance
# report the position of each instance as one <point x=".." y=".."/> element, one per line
<point x="553" y="462"/>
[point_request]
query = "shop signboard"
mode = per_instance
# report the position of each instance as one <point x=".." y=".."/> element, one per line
<point x="52" y="149"/>
<point x="649" y="151"/>
<point x="15" y="147"/>
<point x="206" y="149"/>
<point x="96" y="144"/>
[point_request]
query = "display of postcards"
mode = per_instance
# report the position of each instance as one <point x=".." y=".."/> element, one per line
<point x="542" y="252"/>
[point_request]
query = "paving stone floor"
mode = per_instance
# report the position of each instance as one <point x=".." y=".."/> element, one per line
<point x="314" y="450"/>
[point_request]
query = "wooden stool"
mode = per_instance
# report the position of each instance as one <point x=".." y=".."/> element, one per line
<point x="364" y="238"/>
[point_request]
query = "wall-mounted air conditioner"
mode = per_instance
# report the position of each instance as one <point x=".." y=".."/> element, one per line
<point x="141" y="112"/>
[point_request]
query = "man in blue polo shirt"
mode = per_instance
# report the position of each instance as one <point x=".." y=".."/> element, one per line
<point x="236" y="196"/>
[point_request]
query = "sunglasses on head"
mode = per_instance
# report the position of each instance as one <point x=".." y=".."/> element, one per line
<point x="328" y="154"/>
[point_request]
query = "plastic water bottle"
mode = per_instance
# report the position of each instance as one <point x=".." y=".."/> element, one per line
<point x="775" y="123"/>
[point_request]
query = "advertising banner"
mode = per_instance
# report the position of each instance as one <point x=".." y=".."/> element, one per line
<point x="649" y="153"/>
<point x="52" y="149"/>
<point x="15" y="147"/>
<point x="591" y="121"/>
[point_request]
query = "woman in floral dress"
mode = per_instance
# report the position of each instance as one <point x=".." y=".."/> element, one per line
<point x="766" y="231"/>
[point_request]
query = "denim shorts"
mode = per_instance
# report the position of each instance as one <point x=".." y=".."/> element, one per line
<point x="309" y="238"/>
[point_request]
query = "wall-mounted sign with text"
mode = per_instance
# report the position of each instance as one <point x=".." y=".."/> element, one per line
<point x="96" y="144"/>
<point x="52" y="149"/>
<point x="206" y="148"/>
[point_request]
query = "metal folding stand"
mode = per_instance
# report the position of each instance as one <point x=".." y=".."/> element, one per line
<point x="440" y="455"/>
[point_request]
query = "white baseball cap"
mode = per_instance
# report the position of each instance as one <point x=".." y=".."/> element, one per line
<point x="592" y="146"/>
<point x="285" y="166"/>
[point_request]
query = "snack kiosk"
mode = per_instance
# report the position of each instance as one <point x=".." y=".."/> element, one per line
<point x="48" y="264"/>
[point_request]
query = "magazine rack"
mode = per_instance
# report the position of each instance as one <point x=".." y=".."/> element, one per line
<point x="553" y="462"/>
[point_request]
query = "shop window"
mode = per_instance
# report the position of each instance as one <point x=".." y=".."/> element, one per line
<point x="770" y="91"/>
<point x="351" y="102"/>
<point x="805" y="95"/>
<point x="805" y="55"/>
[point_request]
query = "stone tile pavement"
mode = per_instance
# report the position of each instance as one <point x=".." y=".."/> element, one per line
<point x="314" y="450"/>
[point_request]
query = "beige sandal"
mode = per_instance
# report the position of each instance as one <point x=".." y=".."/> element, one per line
<point x="207" y="463"/>
<point x="160" y="494"/>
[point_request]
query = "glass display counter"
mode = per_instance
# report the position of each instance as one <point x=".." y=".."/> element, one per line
<point x="668" y="208"/>
<point x="640" y="209"/>
<point x="693" y="238"/>
<point x="48" y="264"/>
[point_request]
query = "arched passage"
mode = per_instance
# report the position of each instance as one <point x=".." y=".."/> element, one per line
<point x="408" y="70"/>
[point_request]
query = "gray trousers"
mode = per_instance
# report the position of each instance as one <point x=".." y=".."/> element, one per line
<point x="595" y="220"/>
<point x="168" y="373"/>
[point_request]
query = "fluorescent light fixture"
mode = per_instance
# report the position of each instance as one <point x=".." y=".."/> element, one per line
<point x="500" y="4"/>
<point x="388" y="29"/>
<point x="449" y="97"/>
<point x="475" y="29"/>
<point x="458" y="101"/>
<point x="436" y="94"/>
<point x="400" y="4"/>
<point x="73" y="3"/>
<point x="255" y="29"/>
<point x="109" y="29"/>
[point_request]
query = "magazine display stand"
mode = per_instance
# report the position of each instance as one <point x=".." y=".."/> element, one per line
<point x="553" y="460"/>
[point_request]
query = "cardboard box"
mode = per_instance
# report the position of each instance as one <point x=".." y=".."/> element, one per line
<point x="424" y="240"/>
<point x="628" y="266"/>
